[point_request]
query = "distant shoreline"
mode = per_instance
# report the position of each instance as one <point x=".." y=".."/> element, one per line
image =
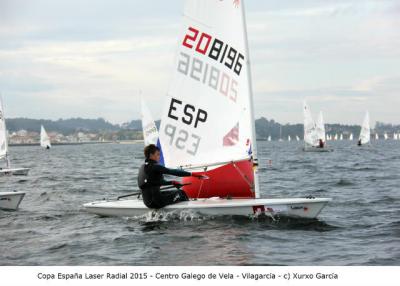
<point x="79" y="143"/>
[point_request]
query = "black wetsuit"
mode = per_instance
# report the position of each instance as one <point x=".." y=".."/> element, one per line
<point x="151" y="178"/>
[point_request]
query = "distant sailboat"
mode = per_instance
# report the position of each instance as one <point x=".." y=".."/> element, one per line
<point x="314" y="134"/>
<point x="336" y="137"/>
<point x="385" y="136"/>
<point x="395" y="137"/>
<point x="150" y="132"/>
<point x="321" y="128"/>
<point x="289" y="138"/>
<point x="44" y="138"/>
<point x="365" y="133"/>
<point x="297" y="138"/>
<point x="341" y="136"/>
<point x="376" y="136"/>
<point x="351" y="136"/>
<point x="4" y="149"/>
<point x="269" y="138"/>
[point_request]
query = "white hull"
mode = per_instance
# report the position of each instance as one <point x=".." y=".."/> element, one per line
<point x="296" y="207"/>
<point x="14" y="172"/>
<point x="10" y="200"/>
<point x="317" y="149"/>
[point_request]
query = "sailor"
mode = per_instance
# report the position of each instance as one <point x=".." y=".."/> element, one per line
<point x="321" y="143"/>
<point x="151" y="178"/>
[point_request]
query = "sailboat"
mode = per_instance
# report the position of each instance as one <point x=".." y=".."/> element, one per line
<point x="10" y="200"/>
<point x="365" y="133"/>
<point x="395" y="137"/>
<point x="7" y="170"/>
<point x="208" y="123"/>
<point x="289" y="138"/>
<point x="385" y="136"/>
<point x="351" y="136"/>
<point x="44" y="138"/>
<point x="150" y="132"/>
<point x="376" y="136"/>
<point x="313" y="133"/>
<point x="341" y="136"/>
<point x="269" y="138"/>
<point x="297" y="138"/>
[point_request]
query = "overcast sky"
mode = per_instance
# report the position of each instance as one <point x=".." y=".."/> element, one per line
<point x="90" y="58"/>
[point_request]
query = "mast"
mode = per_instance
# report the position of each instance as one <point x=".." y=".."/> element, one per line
<point x="253" y="127"/>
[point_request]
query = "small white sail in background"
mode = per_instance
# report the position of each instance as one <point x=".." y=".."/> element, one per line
<point x="297" y="138"/>
<point x="269" y="138"/>
<point x="336" y="137"/>
<point x="376" y="136"/>
<point x="150" y="132"/>
<point x="320" y="128"/>
<point x="365" y="132"/>
<point x="341" y="136"/>
<point x="385" y="136"/>
<point x="3" y="133"/>
<point x="310" y="133"/>
<point x="44" y="138"/>
<point x="351" y="136"/>
<point x="289" y="138"/>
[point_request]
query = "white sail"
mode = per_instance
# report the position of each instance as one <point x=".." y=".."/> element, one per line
<point x="320" y="128"/>
<point x="394" y="136"/>
<point x="3" y="132"/>
<point x="269" y="138"/>
<point x="44" y="138"/>
<point x="310" y="134"/>
<point x="150" y="132"/>
<point x="297" y="138"/>
<point x="365" y="132"/>
<point x="335" y="137"/>
<point x="385" y="136"/>
<point x="208" y="117"/>
<point x="289" y="138"/>
<point x="351" y="136"/>
<point x="376" y="136"/>
<point x="341" y="136"/>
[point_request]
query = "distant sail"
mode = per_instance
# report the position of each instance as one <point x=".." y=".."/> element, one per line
<point x="269" y="138"/>
<point x="3" y="132"/>
<point x="44" y="138"/>
<point x="297" y="138"/>
<point x="310" y="134"/>
<point x="289" y="138"/>
<point x="351" y="136"/>
<point x="365" y="132"/>
<point x="321" y="128"/>
<point x="376" y="136"/>
<point x="150" y="132"/>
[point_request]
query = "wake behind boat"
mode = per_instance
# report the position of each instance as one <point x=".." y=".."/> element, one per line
<point x="208" y="122"/>
<point x="10" y="200"/>
<point x="7" y="170"/>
